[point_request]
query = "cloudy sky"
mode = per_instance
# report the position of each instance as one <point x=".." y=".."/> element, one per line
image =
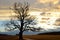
<point x="37" y="6"/>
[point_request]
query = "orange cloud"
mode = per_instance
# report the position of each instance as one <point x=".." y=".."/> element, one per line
<point x="6" y="14"/>
<point x="47" y="1"/>
<point x="57" y="22"/>
<point x="43" y="1"/>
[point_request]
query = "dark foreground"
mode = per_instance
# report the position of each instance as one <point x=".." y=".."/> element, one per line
<point x="33" y="37"/>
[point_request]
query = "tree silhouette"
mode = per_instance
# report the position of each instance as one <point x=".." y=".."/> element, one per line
<point x="22" y="21"/>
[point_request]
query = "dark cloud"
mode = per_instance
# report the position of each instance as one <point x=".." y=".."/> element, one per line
<point x="11" y="2"/>
<point x="7" y="2"/>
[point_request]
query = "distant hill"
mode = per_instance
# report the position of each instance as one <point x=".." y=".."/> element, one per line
<point x="10" y="32"/>
<point x="3" y="35"/>
<point x="31" y="33"/>
<point x="17" y="31"/>
<point x="50" y="33"/>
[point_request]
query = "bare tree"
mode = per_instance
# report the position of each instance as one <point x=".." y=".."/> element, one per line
<point x="23" y="22"/>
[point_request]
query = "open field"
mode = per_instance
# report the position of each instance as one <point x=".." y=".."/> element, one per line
<point x="34" y="37"/>
<point x="44" y="37"/>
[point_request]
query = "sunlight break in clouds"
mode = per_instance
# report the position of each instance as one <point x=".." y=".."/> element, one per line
<point x="47" y="20"/>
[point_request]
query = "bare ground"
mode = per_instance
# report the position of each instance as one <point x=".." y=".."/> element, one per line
<point x="33" y="37"/>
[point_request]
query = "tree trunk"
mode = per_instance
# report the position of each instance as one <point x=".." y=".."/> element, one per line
<point x="20" y="35"/>
<point x="21" y="31"/>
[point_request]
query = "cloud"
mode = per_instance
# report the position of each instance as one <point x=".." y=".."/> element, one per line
<point x="57" y="22"/>
<point x="42" y="5"/>
<point x="6" y="14"/>
<point x="43" y="1"/>
<point x="48" y="1"/>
